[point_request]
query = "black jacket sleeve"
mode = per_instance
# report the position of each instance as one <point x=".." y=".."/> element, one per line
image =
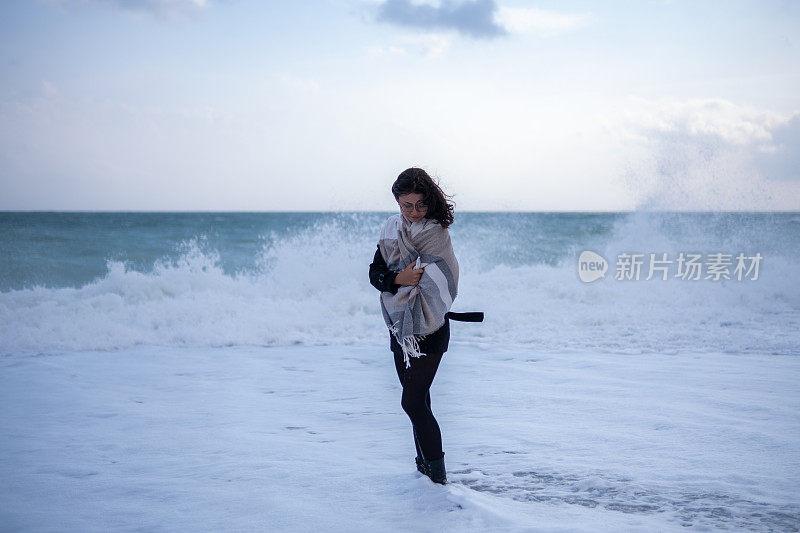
<point x="380" y="276"/>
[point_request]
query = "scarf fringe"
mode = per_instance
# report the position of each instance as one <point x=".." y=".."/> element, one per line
<point x="409" y="345"/>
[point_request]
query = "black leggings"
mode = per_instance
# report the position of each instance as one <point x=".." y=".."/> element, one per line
<point x="416" y="402"/>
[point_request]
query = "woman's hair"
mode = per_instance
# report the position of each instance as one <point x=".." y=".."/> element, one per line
<point x="416" y="181"/>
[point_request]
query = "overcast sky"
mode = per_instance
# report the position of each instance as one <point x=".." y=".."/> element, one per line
<point x="318" y="105"/>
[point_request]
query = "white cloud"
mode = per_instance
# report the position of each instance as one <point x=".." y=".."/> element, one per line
<point x="780" y="160"/>
<point x="377" y="52"/>
<point x="713" y="154"/>
<point x="532" y="20"/>
<point x="478" y="18"/>
<point x="431" y="46"/>
<point x="715" y="118"/>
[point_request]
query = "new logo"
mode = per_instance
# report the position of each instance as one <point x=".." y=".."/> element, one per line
<point x="591" y="266"/>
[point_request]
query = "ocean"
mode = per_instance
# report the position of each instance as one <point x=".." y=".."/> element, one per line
<point x="231" y="372"/>
<point x="87" y="281"/>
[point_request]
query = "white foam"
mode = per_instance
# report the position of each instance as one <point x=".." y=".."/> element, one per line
<point x="299" y="438"/>
<point x="312" y="288"/>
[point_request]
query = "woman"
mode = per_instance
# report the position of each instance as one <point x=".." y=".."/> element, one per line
<point x="417" y="273"/>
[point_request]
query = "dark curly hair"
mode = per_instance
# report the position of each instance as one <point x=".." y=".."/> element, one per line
<point x="416" y="181"/>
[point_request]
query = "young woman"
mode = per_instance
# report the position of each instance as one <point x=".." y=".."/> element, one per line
<point x="417" y="273"/>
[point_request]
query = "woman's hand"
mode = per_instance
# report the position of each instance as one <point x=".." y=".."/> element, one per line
<point x="409" y="275"/>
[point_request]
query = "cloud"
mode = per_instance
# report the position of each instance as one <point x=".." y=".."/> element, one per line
<point x="714" y="154"/>
<point x="532" y="20"/>
<point x="771" y="141"/>
<point x="160" y="8"/>
<point x="709" y="119"/>
<point x="474" y="18"/>
<point x="780" y="160"/>
<point x="478" y="18"/>
<point x="430" y="46"/>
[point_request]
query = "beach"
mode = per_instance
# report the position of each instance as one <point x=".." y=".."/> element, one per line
<point x="313" y="437"/>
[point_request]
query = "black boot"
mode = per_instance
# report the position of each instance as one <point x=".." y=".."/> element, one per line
<point x="436" y="470"/>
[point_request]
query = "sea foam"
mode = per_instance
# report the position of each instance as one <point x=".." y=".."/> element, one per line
<point x="311" y="287"/>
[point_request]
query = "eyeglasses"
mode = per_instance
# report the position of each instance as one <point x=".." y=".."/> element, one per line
<point x="419" y="206"/>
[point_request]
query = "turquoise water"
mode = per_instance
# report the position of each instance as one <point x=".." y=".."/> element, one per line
<point x="72" y="249"/>
<point x="114" y="280"/>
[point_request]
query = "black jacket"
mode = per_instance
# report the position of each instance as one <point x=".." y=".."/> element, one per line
<point x="380" y="276"/>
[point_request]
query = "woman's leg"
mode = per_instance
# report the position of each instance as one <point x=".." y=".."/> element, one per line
<point x="400" y="366"/>
<point x="416" y="382"/>
<point x="416" y="438"/>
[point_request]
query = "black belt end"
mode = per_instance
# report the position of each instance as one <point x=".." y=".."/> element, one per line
<point x="475" y="316"/>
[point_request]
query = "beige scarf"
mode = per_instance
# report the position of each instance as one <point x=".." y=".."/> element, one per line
<point x="419" y="310"/>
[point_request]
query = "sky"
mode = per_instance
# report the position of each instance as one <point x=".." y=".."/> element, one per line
<point x="237" y="105"/>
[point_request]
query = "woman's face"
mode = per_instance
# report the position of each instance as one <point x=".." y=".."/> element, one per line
<point x="412" y="207"/>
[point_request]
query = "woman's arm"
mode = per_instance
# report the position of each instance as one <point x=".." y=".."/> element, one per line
<point x="380" y="276"/>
